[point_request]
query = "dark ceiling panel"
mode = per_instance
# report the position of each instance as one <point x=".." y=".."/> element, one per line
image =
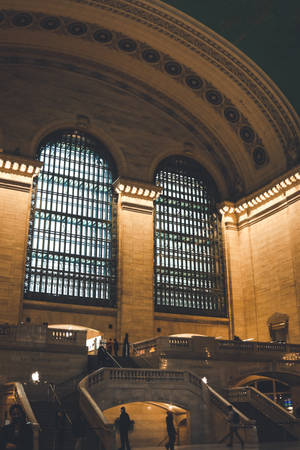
<point x="268" y="31"/>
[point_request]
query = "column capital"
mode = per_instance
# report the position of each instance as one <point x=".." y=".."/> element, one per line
<point x="135" y="195"/>
<point x="17" y="172"/>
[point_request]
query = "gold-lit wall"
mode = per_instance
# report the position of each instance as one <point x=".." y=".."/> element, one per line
<point x="262" y="261"/>
<point x="98" y="70"/>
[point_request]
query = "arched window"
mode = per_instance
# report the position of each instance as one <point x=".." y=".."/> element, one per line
<point x="188" y="266"/>
<point x="71" y="255"/>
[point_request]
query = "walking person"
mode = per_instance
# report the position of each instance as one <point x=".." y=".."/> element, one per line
<point x="116" y="347"/>
<point x="171" y="431"/>
<point x="18" y="434"/>
<point x="126" y="348"/>
<point x="109" y="346"/>
<point x="124" y="424"/>
<point x="234" y="420"/>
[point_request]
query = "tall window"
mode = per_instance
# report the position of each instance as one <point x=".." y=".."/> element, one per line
<point x="71" y="251"/>
<point x="189" y="269"/>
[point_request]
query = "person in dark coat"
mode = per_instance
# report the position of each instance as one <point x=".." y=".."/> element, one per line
<point x="233" y="419"/>
<point x="126" y="348"/>
<point x="116" y="347"/>
<point x="109" y="346"/>
<point x="18" y="435"/>
<point x="101" y="356"/>
<point x="124" y="424"/>
<point x="171" y="431"/>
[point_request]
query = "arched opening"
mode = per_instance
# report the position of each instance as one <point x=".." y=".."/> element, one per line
<point x="71" y="253"/>
<point x="149" y="428"/>
<point x="188" y="262"/>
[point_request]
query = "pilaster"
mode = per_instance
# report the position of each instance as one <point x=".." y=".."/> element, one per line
<point x="16" y="176"/>
<point x="135" y="258"/>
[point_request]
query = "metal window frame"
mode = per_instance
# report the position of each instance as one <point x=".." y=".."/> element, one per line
<point x="189" y="270"/>
<point x="71" y="251"/>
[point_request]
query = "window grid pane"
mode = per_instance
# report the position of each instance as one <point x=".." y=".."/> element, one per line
<point x="71" y="254"/>
<point x="189" y="268"/>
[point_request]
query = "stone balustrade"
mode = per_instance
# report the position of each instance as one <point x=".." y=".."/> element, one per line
<point x="112" y="376"/>
<point x="32" y="335"/>
<point x="211" y="348"/>
<point x="108" y="387"/>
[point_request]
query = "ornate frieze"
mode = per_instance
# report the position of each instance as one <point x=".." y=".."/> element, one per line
<point x="157" y="60"/>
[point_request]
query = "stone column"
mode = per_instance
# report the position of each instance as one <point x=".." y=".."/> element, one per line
<point x="16" y="175"/>
<point x="135" y="259"/>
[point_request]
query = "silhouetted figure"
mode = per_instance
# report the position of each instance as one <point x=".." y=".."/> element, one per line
<point x="18" y="434"/>
<point x="237" y="339"/>
<point x="171" y="431"/>
<point x="109" y="346"/>
<point x="234" y="420"/>
<point x="124" y="424"/>
<point x="116" y="347"/>
<point x="126" y="348"/>
<point x="101" y="356"/>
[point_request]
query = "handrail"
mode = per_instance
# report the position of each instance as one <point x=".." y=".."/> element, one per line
<point x="272" y="407"/>
<point x="95" y="417"/>
<point x="22" y="397"/>
<point x="113" y="359"/>
<point x="217" y="399"/>
<point x="59" y="402"/>
<point x="269" y="408"/>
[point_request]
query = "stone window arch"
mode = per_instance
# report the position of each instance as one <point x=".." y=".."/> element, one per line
<point x="189" y="275"/>
<point x="71" y="252"/>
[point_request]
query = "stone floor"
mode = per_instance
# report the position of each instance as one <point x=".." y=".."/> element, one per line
<point x="269" y="446"/>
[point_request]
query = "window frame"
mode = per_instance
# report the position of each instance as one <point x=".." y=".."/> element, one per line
<point x="85" y="268"/>
<point x="173" y="292"/>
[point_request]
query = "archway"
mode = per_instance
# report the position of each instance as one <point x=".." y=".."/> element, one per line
<point x="150" y="425"/>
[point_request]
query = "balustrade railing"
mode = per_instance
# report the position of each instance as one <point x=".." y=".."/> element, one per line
<point x="271" y="409"/>
<point x="40" y="334"/>
<point x="108" y="377"/>
<point x="179" y="342"/>
<point x="217" y="348"/>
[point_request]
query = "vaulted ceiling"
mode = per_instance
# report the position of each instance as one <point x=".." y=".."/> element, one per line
<point x="151" y="81"/>
<point x="268" y="31"/>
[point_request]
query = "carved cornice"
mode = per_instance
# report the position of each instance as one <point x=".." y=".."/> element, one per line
<point x="120" y="80"/>
<point x="136" y="196"/>
<point x="274" y="197"/>
<point x="225" y="57"/>
<point x="156" y="60"/>
<point x="16" y="172"/>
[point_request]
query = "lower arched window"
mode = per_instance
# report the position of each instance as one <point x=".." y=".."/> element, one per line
<point x="188" y="266"/>
<point x="71" y="254"/>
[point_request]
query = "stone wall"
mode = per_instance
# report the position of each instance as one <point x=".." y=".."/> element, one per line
<point x="264" y="259"/>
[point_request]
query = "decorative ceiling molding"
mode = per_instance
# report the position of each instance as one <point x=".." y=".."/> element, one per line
<point x="266" y="201"/>
<point x="155" y="59"/>
<point x="123" y="81"/>
<point x="221" y="54"/>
